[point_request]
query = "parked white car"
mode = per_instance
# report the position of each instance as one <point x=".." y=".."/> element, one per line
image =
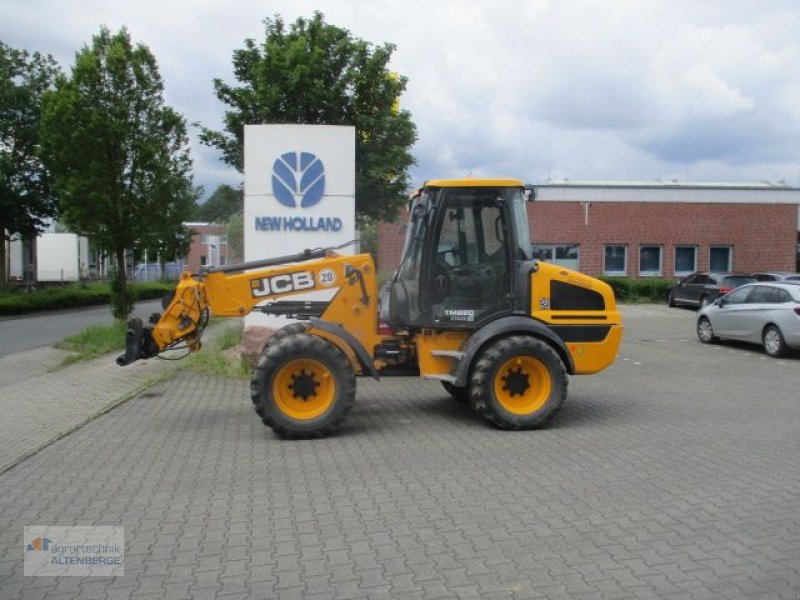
<point x="765" y="313"/>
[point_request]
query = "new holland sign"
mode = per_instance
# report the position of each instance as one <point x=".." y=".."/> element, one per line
<point x="299" y="188"/>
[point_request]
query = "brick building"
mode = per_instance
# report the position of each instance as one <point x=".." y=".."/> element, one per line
<point x="209" y="246"/>
<point x="654" y="229"/>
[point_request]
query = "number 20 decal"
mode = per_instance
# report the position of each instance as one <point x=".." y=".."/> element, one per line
<point x="327" y="277"/>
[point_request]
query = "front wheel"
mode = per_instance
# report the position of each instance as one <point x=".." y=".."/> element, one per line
<point x="290" y="329"/>
<point x="774" y="344"/>
<point x="518" y="382"/>
<point x="303" y="386"/>
<point x="705" y="332"/>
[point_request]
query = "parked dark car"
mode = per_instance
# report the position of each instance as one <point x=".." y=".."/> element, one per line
<point x="777" y="276"/>
<point x="702" y="288"/>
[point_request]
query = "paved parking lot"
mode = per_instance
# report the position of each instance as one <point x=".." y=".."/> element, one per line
<point x="673" y="474"/>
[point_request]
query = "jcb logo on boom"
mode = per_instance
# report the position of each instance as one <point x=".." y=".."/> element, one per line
<point x="282" y="284"/>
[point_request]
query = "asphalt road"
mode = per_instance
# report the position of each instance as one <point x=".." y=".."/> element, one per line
<point x="33" y="331"/>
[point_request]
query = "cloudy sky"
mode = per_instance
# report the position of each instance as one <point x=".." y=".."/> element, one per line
<point x="705" y="90"/>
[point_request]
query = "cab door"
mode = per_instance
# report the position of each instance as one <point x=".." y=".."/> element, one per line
<point x="469" y="268"/>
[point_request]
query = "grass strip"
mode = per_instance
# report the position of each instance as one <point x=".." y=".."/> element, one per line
<point x="222" y="356"/>
<point x="93" y="341"/>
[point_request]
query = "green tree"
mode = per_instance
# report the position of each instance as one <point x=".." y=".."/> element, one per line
<point x="317" y="73"/>
<point x="235" y="233"/>
<point x="26" y="198"/>
<point x="118" y="154"/>
<point x="221" y="205"/>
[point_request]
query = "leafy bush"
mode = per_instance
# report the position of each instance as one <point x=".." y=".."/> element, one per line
<point x="639" y="290"/>
<point x="74" y="295"/>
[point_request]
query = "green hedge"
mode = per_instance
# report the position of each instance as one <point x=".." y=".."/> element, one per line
<point x="639" y="290"/>
<point x="74" y="295"/>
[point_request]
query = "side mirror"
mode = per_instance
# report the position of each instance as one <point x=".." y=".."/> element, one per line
<point x="719" y="302"/>
<point x="530" y="193"/>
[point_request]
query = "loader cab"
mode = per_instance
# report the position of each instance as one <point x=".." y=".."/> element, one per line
<point x="464" y="242"/>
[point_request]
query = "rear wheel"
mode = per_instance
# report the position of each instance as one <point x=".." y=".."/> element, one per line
<point x="705" y="332"/>
<point x="670" y="299"/>
<point x="303" y="386"/>
<point x="518" y="382"/>
<point x="774" y="344"/>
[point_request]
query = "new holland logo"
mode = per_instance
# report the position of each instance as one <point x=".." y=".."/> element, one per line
<point x="298" y="179"/>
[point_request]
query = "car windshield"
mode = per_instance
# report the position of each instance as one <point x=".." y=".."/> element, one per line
<point x="737" y="280"/>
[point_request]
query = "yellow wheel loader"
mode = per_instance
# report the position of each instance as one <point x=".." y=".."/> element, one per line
<point x="468" y="306"/>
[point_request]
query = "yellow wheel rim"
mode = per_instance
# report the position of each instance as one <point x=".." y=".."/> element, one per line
<point x="303" y="389"/>
<point x="522" y="385"/>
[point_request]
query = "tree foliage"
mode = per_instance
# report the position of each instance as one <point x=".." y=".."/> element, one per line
<point x="235" y="233"/>
<point x="316" y="73"/>
<point x="26" y="198"/>
<point x="221" y="205"/>
<point x="118" y="154"/>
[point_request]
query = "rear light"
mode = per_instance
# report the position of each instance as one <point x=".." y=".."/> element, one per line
<point x="725" y="290"/>
<point x="384" y="329"/>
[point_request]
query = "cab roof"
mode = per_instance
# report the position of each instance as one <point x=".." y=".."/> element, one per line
<point x="470" y="182"/>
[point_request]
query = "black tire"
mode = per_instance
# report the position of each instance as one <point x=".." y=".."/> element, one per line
<point x="705" y="331"/>
<point x="457" y="392"/>
<point x="670" y="299"/>
<point x="518" y="382"/>
<point x="773" y="341"/>
<point x="290" y="329"/>
<point x="303" y="386"/>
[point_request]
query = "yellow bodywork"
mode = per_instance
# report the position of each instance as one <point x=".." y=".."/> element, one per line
<point x="588" y="357"/>
<point x="428" y="342"/>
<point x="462" y="183"/>
<point x="591" y="337"/>
<point x="351" y="279"/>
<point x="237" y="293"/>
<point x="485" y="340"/>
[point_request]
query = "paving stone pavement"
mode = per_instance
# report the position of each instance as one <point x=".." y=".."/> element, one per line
<point x="673" y="474"/>
<point x="42" y="401"/>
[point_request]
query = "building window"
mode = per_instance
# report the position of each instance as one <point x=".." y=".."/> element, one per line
<point x="649" y="261"/>
<point x="720" y="258"/>
<point x="685" y="260"/>
<point x="203" y="261"/>
<point x="203" y="238"/>
<point x="223" y="239"/>
<point x="564" y="255"/>
<point x="615" y="260"/>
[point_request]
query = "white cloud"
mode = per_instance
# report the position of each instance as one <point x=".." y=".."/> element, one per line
<point x="612" y="89"/>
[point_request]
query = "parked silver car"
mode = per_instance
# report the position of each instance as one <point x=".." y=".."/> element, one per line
<point x="766" y="313"/>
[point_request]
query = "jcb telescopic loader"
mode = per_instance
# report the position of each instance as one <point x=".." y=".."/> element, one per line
<point x="468" y="306"/>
